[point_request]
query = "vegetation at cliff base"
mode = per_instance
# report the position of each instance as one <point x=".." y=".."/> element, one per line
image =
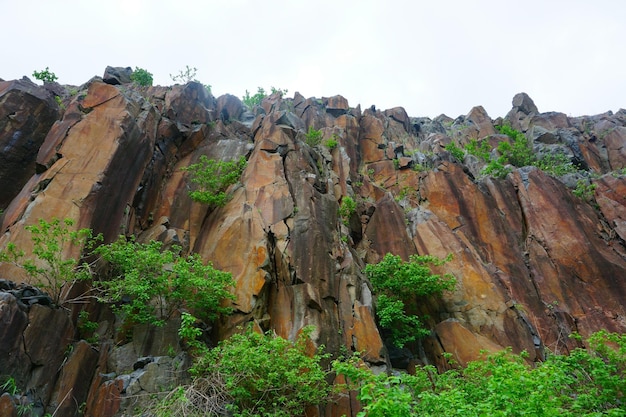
<point x="252" y="374"/>
<point x="397" y="285"/>
<point x="587" y="382"/>
<point x="213" y="179"/>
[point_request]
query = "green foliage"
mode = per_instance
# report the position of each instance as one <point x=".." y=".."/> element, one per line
<point x="141" y="77"/>
<point x="588" y="382"/>
<point x="253" y="374"/>
<point x="59" y="102"/>
<point x="482" y="151"/>
<point x="584" y="190"/>
<point x="148" y="283"/>
<point x="51" y="270"/>
<point x="255" y="100"/>
<point x="45" y="76"/>
<point x="397" y="284"/>
<point x="86" y="327"/>
<point x="519" y="154"/>
<point x="9" y="386"/>
<point x="313" y="137"/>
<point x="213" y="179"/>
<point x="332" y="142"/>
<point x="555" y="164"/>
<point x="190" y="334"/>
<point x="347" y="208"/>
<point x="457" y="152"/>
<point x="185" y="76"/>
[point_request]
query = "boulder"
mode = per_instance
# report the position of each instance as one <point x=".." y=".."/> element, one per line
<point x="117" y="75"/>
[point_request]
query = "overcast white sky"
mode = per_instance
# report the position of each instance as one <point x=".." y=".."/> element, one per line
<point x="430" y="57"/>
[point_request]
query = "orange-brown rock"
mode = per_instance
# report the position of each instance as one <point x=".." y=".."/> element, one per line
<point x="27" y="112"/>
<point x="533" y="262"/>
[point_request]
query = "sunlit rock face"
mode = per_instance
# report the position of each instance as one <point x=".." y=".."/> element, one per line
<point x="533" y="261"/>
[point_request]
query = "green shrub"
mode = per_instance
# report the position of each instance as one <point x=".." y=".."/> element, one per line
<point x="45" y="76"/>
<point x="313" y="137"/>
<point x="555" y="164"/>
<point x="347" y="208"/>
<point x="254" y="100"/>
<point x="482" y="151"/>
<point x="457" y="152"/>
<point x="332" y="142"/>
<point x="584" y="190"/>
<point x="587" y="382"/>
<point x="153" y="283"/>
<point x="51" y="270"/>
<point x="397" y="284"/>
<point x="141" y="77"/>
<point x="520" y="153"/>
<point x="252" y="374"/>
<point x="213" y="179"/>
<point x="185" y="76"/>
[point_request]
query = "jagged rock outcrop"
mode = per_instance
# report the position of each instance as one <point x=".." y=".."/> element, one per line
<point x="533" y="261"/>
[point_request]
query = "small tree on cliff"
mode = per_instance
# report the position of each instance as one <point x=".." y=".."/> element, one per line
<point x="148" y="283"/>
<point x="398" y="284"/>
<point x="213" y="179"/>
<point x="50" y="269"/>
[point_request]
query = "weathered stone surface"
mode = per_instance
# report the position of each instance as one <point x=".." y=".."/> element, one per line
<point x="46" y="339"/>
<point x="611" y="197"/>
<point x="27" y="111"/>
<point x="229" y="107"/>
<point x="524" y="103"/>
<point x="13" y="321"/>
<point x="482" y="122"/>
<point x="73" y="383"/>
<point x="450" y="332"/>
<point x="7" y="406"/>
<point x="117" y="75"/>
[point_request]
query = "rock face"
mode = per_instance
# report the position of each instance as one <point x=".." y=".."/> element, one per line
<point x="533" y="261"/>
<point x="27" y="112"/>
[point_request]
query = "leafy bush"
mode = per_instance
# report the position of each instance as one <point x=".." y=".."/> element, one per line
<point x="252" y="374"/>
<point x="397" y="284"/>
<point x="482" y="151"/>
<point x="588" y="382"/>
<point x="555" y="164"/>
<point x="45" y="76"/>
<point x="51" y="270"/>
<point x="185" y="76"/>
<point x="332" y="142"/>
<point x="347" y="208"/>
<point x="148" y="283"/>
<point x="254" y="100"/>
<point x="584" y="190"/>
<point x="142" y="77"/>
<point x="457" y="152"/>
<point x="313" y="137"/>
<point x="519" y="154"/>
<point x="213" y="178"/>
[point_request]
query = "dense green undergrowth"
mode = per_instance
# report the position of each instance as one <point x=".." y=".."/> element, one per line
<point x="587" y="382"/>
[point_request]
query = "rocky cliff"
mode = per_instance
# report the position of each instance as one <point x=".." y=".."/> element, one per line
<point x="534" y="258"/>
